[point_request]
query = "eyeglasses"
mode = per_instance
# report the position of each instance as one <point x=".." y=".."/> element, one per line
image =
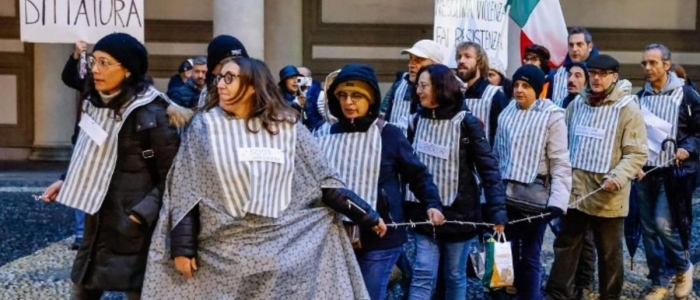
<point x="228" y="78"/>
<point x="102" y="64"/>
<point x="601" y="74"/>
<point x="355" y="97"/>
<point x="422" y="86"/>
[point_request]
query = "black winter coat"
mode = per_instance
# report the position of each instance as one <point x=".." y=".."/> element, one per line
<point x="114" y="252"/>
<point x="186" y="95"/>
<point x="475" y="154"/>
<point x="398" y="165"/>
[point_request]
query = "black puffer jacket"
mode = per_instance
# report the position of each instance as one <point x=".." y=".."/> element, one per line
<point x="475" y="154"/>
<point x="114" y="252"/>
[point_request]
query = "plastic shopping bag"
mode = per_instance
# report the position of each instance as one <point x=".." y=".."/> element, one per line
<point x="499" y="271"/>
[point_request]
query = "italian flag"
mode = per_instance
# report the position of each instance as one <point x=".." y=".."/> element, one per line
<point x="538" y="22"/>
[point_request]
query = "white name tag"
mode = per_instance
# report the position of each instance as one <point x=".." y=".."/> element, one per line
<point x="403" y="122"/>
<point x="92" y="129"/>
<point x="433" y="149"/>
<point x="261" y="154"/>
<point x="590" y="132"/>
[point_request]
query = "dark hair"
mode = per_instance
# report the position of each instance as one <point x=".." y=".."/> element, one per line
<point x="446" y="87"/>
<point x="581" y="30"/>
<point x="130" y="88"/>
<point x="268" y="104"/>
<point x="542" y="53"/>
<point x="199" y="60"/>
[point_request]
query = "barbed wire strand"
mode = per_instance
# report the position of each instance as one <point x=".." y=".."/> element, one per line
<point x="527" y="219"/>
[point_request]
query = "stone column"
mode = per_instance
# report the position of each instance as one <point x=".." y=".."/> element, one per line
<point x="54" y="104"/>
<point x="243" y="19"/>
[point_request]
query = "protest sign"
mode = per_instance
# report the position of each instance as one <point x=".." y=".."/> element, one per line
<point x="484" y="22"/>
<point x="67" y="21"/>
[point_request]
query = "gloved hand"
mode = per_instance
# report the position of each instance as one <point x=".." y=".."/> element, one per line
<point x="554" y="212"/>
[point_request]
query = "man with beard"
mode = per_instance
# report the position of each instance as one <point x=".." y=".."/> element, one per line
<point x="666" y="96"/>
<point x="396" y="106"/>
<point x="608" y="144"/>
<point x="187" y="95"/>
<point x="581" y="49"/>
<point x="484" y="100"/>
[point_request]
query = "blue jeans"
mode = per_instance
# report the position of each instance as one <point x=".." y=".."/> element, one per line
<point x="376" y="266"/>
<point x="526" y="245"/>
<point x="657" y="224"/>
<point x="451" y="257"/>
<point x="79" y="227"/>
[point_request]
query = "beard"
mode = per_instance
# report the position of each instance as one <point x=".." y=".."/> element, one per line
<point x="467" y="75"/>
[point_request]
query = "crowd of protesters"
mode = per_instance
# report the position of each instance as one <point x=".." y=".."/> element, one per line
<point x="235" y="185"/>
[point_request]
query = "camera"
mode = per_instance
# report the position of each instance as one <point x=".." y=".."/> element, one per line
<point x="304" y="83"/>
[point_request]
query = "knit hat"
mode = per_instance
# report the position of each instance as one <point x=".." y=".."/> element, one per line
<point x="496" y="65"/>
<point x="185" y="66"/>
<point x="603" y="62"/>
<point x="126" y="50"/>
<point x="288" y="71"/>
<point x="224" y="46"/>
<point x="355" y="78"/>
<point x="356" y="86"/>
<point x="427" y="49"/>
<point x="532" y="75"/>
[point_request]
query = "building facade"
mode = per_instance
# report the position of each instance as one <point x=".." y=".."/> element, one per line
<point x="37" y="112"/>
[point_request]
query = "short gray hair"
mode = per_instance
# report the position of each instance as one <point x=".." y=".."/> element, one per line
<point x="665" y="53"/>
<point x="199" y="60"/>
<point x="581" y="30"/>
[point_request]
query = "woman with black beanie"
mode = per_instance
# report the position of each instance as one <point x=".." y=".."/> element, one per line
<point x="127" y="140"/>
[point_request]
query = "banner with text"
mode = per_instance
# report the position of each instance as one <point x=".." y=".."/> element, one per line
<point x="484" y="22"/>
<point x="68" y="21"/>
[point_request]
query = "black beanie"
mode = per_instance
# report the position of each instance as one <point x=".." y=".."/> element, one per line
<point x="532" y="75"/>
<point x="126" y="50"/>
<point x="603" y="62"/>
<point x="221" y="47"/>
<point x="184" y="66"/>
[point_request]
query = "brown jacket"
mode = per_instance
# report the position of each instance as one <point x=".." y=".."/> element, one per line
<point x="629" y="155"/>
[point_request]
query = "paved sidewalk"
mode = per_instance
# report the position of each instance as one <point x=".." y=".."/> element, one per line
<point x="35" y="261"/>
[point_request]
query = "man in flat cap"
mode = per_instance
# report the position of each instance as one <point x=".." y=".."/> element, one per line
<point x="608" y="144"/>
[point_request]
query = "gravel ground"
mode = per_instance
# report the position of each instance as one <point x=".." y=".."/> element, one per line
<point x="35" y="261"/>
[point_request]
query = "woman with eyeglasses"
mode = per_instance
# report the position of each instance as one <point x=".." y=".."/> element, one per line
<point x="452" y="143"/>
<point x="250" y="208"/>
<point x="370" y="156"/>
<point x="127" y="141"/>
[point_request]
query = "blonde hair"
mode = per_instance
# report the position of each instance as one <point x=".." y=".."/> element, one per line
<point x="482" y="59"/>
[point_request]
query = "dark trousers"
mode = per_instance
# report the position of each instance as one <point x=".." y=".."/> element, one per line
<point x="526" y="246"/>
<point x="607" y="235"/>
<point x="79" y="292"/>
<point x="586" y="263"/>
